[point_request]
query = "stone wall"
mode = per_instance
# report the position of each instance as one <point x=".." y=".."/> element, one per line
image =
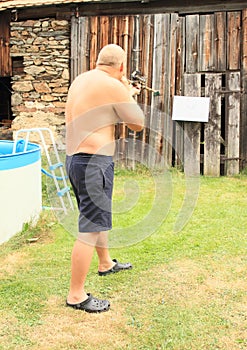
<point x="40" y="87"/>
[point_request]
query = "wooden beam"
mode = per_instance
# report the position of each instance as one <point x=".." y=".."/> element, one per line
<point x="212" y="129"/>
<point x="127" y="7"/>
<point x="192" y="131"/>
<point x="233" y="118"/>
<point x="170" y="86"/>
<point x="160" y="77"/>
<point x="192" y="43"/>
<point x="93" y="41"/>
<point x="178" y="127"/>
<point x="220" y="42"/>
<point x="233" y="40"/>
<point x="243" y="128"/>
<point x="207" y="42"/>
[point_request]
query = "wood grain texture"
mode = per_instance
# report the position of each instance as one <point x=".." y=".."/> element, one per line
<point x="212" y="129"/>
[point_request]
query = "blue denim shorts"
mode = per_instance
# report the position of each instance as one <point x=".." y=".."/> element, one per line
<point x="91" y="177"/>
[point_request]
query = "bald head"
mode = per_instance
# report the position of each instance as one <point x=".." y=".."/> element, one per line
<point x="111" y="55"/>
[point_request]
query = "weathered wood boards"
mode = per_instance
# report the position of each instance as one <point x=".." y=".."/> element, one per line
<point x="212" y="129"/>
<point x="196" y="55"/>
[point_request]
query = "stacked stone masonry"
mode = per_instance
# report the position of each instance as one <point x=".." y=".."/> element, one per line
<point x="40" y="88"/>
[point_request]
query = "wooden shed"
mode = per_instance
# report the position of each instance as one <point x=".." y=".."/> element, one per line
<point x="188" y="48"/>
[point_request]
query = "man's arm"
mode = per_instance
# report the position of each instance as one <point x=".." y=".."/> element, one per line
<point x="127" y="109"/>
<point x="131" y="114"/>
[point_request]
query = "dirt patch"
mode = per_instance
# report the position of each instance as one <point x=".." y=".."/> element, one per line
<point x="11" y="263"/>
<point x="8" y="326"/>
<point x="191" y="281"/>
<point x="65" y="328"/>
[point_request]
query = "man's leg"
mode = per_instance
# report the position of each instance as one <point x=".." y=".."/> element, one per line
<point x="81" y="258"/>
<point x="106" y="264"/>
<point x="105" y="261"/>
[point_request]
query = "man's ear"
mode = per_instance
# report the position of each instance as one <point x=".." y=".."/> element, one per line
<point x="121" y="67"/>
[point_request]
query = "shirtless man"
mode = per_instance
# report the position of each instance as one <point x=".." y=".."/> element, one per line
<point x="97" y="100"/>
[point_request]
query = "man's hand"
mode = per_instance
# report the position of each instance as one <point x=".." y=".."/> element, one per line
<point x="133" y="89"/>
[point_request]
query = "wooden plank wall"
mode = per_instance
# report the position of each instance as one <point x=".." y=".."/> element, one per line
<point x="197" y="55"/>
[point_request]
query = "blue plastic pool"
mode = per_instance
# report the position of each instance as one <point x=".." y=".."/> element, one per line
<point x="20" y="186"/>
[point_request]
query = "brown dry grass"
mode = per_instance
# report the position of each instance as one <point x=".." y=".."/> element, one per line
<point x="65" y="328"/>
<point x="11" y="262"/>
<point x="218" y="287"/>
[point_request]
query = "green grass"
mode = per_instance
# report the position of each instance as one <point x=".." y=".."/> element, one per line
<point x="187" y="290"/>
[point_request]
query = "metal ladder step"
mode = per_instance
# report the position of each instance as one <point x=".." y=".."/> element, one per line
<point x="52" y="167"/>
<point x="63" y="191"/>
<point x="55" y="166"/>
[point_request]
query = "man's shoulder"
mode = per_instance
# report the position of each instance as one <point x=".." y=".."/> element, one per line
<point x="98" y="76"/>
<point x="110" y="85"/>
<point x="83" y="75"/>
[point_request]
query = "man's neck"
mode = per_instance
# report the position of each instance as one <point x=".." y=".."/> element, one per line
<point x="111" y="71"/>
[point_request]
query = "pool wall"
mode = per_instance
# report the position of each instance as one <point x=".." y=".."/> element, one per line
<point x="20" y="187"/>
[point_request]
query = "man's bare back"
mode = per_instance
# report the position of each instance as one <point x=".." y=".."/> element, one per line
<point x="97" y="100"/>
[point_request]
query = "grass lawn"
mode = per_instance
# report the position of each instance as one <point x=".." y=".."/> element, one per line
<point x="187" y="290"/>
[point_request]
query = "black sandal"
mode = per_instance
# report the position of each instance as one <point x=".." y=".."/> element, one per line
<point x="91" y="304"/>
<point x="116" y="268"/>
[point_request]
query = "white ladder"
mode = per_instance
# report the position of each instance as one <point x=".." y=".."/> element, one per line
<point x="61" y="192"/>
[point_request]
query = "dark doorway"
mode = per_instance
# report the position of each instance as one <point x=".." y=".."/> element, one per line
<point x="5" y="102"/>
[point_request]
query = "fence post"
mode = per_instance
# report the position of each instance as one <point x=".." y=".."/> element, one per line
<point x="212" y="129"/>
<point x="192" y="130"/>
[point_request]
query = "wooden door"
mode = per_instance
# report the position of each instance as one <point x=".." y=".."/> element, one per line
<point x="5" y="60"/>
